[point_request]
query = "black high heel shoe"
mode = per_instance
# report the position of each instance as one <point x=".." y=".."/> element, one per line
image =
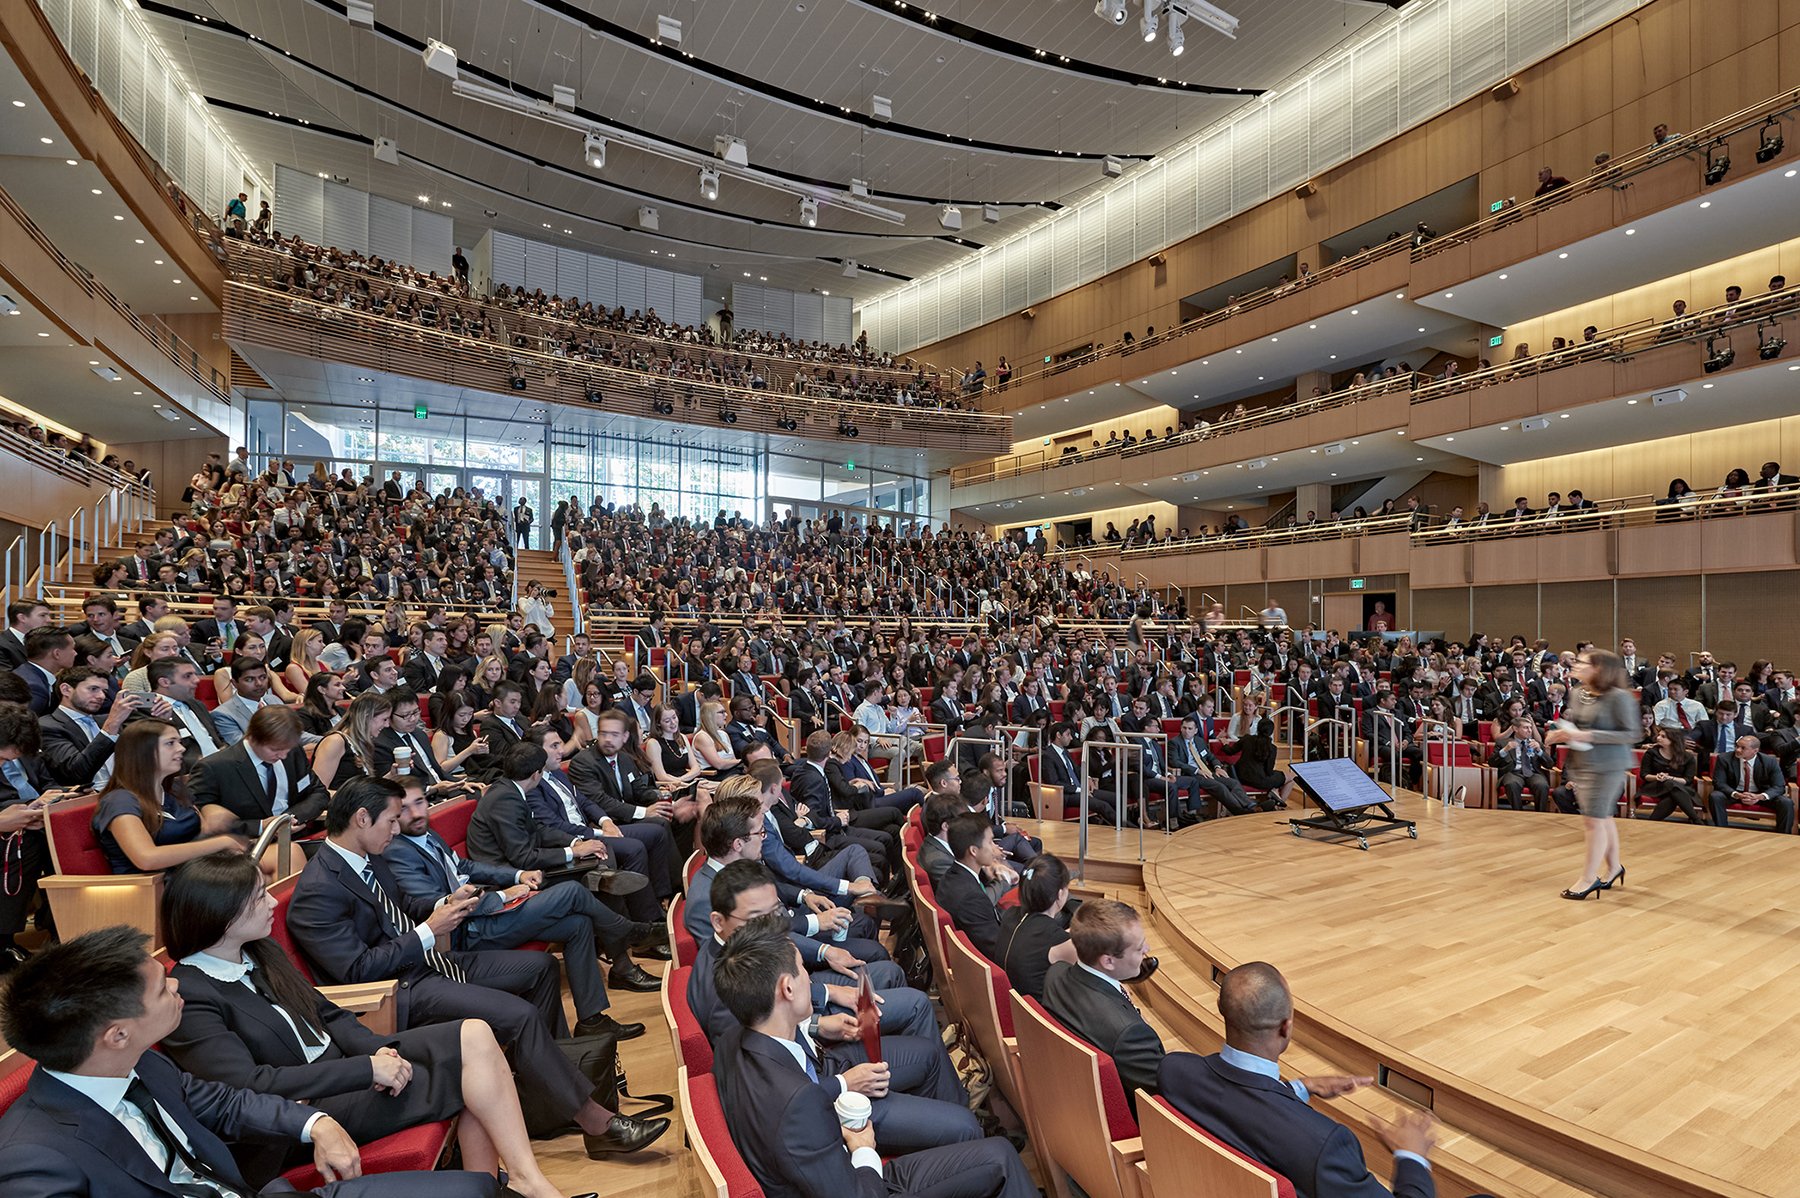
<point x="1592" y="890"/>
<point x="1618" y="878"/>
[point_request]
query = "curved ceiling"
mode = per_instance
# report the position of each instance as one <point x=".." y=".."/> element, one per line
<point x="973" y="122"/>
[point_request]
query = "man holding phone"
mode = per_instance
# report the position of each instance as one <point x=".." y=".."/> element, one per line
<point x="25" y="790"/>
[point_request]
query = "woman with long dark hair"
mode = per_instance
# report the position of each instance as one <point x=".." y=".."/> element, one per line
<point x="1600" y="726"/>
<point x="1666" y="773"/>
<point x="250" y="1020"/>
<point x="1035" y="933"/>
<point x="147" y="821"/>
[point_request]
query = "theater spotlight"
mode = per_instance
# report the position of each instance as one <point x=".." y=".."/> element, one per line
<point x="1177" y="39"/>
<point x="809" y="212"/>
<point x="709" y="183"/>
<point x="1718" y="359"/>
<point x="787" y="424"/>
<point x="1110" y="10"/>
<point x="1769" y="342"/>
<point x="516" y="379"/>
<point x="662" y="406"/>
<point x="594" y="397"/>
<point x="1147" y="21"/>
<point x="594" y="148"/>
<point x="1717" y="165"/>
<point x="1772" y="141"/>
<point x="846" y="429"/>
<point x="727" y="416"/>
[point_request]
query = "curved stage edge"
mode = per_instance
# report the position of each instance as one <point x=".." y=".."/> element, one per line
<point x="1629" y="1045"/>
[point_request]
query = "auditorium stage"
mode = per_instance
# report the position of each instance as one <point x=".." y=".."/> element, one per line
<point x="1632" y="1045"/>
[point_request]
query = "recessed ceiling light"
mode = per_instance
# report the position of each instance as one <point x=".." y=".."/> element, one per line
<point x="1421" y="328"/>
<point x="71" y="162"/>
<point x="46" y="141"/>
<point x="1790" y="174"/>
<point x="43" y="334"/>
<point x="116" y="216"/>
<point x="1418" y="459"/>
<point x="94" y="190"/>
<point x="1503" y="276"/>
<point x="1706" y="203"/>
<point x="158" y="261"/>
<point x="1312" y="326"/>
<point x="1631" y="403"/>
<point x="1631" y="232"/>
<point x="1564" y="254"/>
<point x="1504" y="427"/>
<point x="1353" y="312"/>
<point x="1706" y="386"/>
<point x="18" y="103"/>
<point x="1356" y="442"/>
<point x="139" y="240"/>
<point x="1562" y="415"/>
<point x="1399" y="295"/>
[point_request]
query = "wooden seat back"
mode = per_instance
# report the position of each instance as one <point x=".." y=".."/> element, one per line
<point x="1180" y="1157"/>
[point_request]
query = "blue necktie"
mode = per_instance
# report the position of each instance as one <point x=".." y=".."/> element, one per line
<point x="806" y="1062"/>
<point x="14" y="772"/>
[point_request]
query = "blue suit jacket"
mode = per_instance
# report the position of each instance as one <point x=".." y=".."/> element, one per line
<point x="1265" y="1120"/>
<point x="696" y="917"/>
<point x="43" y="695"/>
<point x="781" y="863"/>
<point x="422" y="876"/>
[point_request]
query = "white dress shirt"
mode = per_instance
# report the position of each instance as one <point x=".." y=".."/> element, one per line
<point x="238" y="972"/>
<point x="423" y="931"/>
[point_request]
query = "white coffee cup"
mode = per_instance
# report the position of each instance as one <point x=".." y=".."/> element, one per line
<point x="853" y="1110"/>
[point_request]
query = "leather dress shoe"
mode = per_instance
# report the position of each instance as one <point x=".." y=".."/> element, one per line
<point x="624" y="1134"/>
<point x="645" y="935"/>
<point x="653" y="952"/>
<point x="11" y="957"/>
<point x="627" y="974"/>
<point x="603" y="1023"/>
<point x="616" y="882"/>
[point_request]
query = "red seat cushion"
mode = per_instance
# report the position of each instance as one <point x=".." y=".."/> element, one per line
<point x="451" y="821"/>
<point x="709" y="1125"/>
<point x="283" y="893"/>
<point x="696" y="1050"/>
<point x="71" y="826"/>
<point x="416" y="1148"/>
<point x="685" y="948"/>
<point x="13" y="1085"/>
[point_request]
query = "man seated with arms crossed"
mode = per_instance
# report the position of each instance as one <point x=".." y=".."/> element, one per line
<point x="919" y="1101"/>
<point x="565" y="913"/>
<point x="1238" y="1096"/>
<point x="106" y="1114"/>
<point x="780" y="1113"/>
<point x="970" y="889"/>
<point x="80" y="734"/>
<point x="1089" y="995"/>
<point x="1751" y="778"/>
<point x="354" y="923"/>
<point x="264" y="774"/>
<point x="730" y="831"/>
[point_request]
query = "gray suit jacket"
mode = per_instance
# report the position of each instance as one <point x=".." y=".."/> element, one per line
<point x="1105" y="1018"/>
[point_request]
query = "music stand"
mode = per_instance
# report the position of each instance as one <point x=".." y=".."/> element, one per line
<point x="1350" y="804"/>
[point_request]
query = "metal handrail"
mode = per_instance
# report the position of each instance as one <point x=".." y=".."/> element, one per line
<point x="1121" y="797"/>
<point x="1452" y="737"/>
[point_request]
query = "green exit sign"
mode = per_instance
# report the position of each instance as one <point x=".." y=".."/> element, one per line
<point x="1495" y="340"/>
<point x="421" y="412"/>
<point x="1357" y="584"/>
<point x="1496" y="205"/>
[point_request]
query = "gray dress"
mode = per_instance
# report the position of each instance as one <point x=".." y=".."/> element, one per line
<point x="1598" y="774"/>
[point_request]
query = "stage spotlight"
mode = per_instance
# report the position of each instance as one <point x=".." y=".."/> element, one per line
<point x="516" y="380"/>
<point x="1772" y="142"/>
<point x="662" y="406"/>
<point x="1718" y="359"/>
<point x="1147" y="21"/>
<point x="1177" y="39"/>
<point x="1769" y="347"/>
<point x="595" y="397"/>
<point x="951" y="218"/>
<point x="809" y="212"/>
<point x="709" y="183"/>
<point x="1110" y="10"/>
<point x="787" y="424"/>
<point x="846" y="429"/>
<point x="594" y="148"/>
<point x="727" y="416"/>
<point x="1717" y="166"/>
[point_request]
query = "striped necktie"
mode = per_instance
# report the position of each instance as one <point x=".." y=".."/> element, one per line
<point x="402" y="925"/>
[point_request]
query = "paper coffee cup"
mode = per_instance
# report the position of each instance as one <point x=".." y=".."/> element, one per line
<point x="853" y="1110"/>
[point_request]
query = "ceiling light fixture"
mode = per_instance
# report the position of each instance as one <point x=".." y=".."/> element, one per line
<point x="709" y="183"/>
<point x="593" y="149"/>
<point x="1177" y="40"/>
<point x="1147" y="21"/>
<point x="809" y="212"/>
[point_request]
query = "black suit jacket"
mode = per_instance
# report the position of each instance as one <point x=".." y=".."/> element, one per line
<point x="338" y="924"/>
<point x="505" y="830"/>
<point x="783" y="1124"/>
<point x="12" y="649"/>
<point x="1766" y="777"/>
<point x="971" y="908"/>
<point x="43" y="691"/>
<point x="593" y="777"/>
<point x="1105" y="1018"/>
<point x="190" y="748"/>
<point x="1265" y="1120"/>
<point x="71" y="758"/>
<point x="230" y="779"/>
<point x="55" y="1140"/>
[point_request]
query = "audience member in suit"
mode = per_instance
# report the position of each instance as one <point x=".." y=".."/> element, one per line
<point x="856" y="787"/>
<point x="934" y="855"/>
<point x="104" y="1113"/>
<point x="817" y="805"/>
<point x="26" y="787"/>
<point x="732" y="829"/>
<point x="646" y="851"/>
<point x="924" y="1104"/>
<point x="222" y="626"/>
<point x="504" y="726"/>
<point x="1238" y="1096"/>
<point x="778" y="1102"/>
<point x="249" y="1019"/>
<point x="264" y="774"/>
<point x="1059" y="769"/>
<point x="48" y="651"/>
<point x="350" y="918"/>
<point x="984" y="791"/>
<point x="22" y="616"/>
<point x="970" y="890"/>
<point x="1191" y="757"/>
<point x="173" y="680"/>
<point x="1034" y="935"/>
<point x="565" y="912"/>
<point x="1522" y="763"/>
<point x="1748" y="777"/>
<point x="947" y="709"/>
<point x="619" y="788"/>
<point x="838" y="883"/>
<point x="404" y="731"/>
<point x="250" y="694"/>
<point x="1719" y="735"/>
<point x="1089" y="997"/>
<point x="80" y="732"/>
<point x="422" y="668"/>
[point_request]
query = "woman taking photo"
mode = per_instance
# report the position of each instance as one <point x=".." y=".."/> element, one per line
<point x="348" y="751"/>
<point x="148" y="822"/>
<point x="250" y="1020"/>
<point x="1600" y="726"/>
<point x="1667" y="773"/>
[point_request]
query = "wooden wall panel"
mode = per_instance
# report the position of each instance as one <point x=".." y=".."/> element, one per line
<point x="1661" y="614"/>
<point x="1574" y="611"/>
<point x="1571" y="555"/>
<point x="1503" y="610"/>
<point x="1702" y="459"/>
<point x="1737" y="624"/>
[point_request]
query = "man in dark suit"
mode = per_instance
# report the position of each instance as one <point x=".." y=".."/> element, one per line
<point x="79" y="734"/>
<point x="264" y="774"/>
<point x="223" y="626"/>
<point x="503" y="726"/>
<point x="1749" y="777"/>
<point x="422" y="668"/>
<point x="145" y="1128"/>
<point x="925" y="1105"/>
<point x="354" y="923"/>
<point x="947" y="709"/>
<point x="1059" y="769"/>
<point x="25" y="788"/>
<point x="627" y="795"/>
<point x="1523" y="766"/>
<point x="1719" y="735"/>
<point x="688" y="704"/>
<point x="778" y="1102"/>
<point x="514" y="907"/>
<point x="22" y="616"/>
<point x="744" y="731"/>
<point x="970" y="889"/>
<point x="173" y="679"/>
<point x="1238" y="1096"/>
<point x="403" y="732"/>
<point x="934" y="854"/>
<point x="1089" y="997"/>
<point x="49" y="651"/>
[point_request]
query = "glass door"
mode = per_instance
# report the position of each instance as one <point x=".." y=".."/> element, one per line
<point x="530" y="488"/>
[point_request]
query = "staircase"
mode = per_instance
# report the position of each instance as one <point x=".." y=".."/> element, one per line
<point x="541" y="566"/>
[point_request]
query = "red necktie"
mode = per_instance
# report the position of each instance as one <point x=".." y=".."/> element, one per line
<point x="1681" y="713"/>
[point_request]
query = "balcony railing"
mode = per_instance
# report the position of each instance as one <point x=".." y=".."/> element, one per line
<point x="299" y="325"/>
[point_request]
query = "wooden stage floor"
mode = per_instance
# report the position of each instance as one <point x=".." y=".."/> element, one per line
<point x="1634" y="1044"/>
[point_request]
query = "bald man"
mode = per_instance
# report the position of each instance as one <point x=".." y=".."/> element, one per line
<point x="1239" y="1096"/>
